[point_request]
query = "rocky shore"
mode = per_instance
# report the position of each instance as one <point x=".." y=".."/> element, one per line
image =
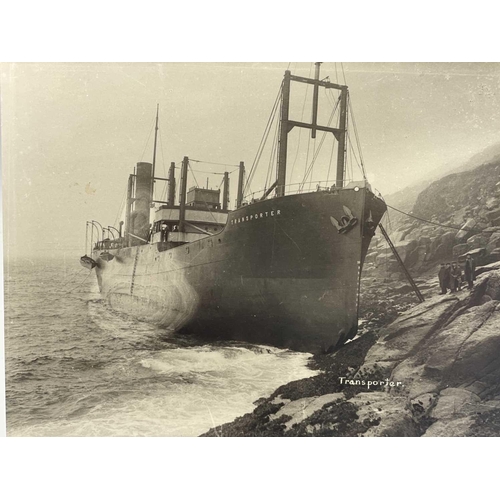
<point x="429" y="369"/>
<point x="434" y="371"/>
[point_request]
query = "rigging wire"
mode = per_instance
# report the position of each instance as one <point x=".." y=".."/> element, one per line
<point x="308" y="138"/>
<point x="431" y="222"/>
<point x="354" y="153"/>
<point x="149" y="136"/>
<point x="122" y="206"/>
<point x="214" y="163"/>
<point x="307" y="159"/>
<point x="475" y="231"/>
<point x="312" y="163"/>
<point x="343" y="74"/>
<point x="263" y="140"/>
<point x="319" y="148"/>
<point x="211" y="172"/>
<point x="330" y="163"/>
<point x="350" y="162"/>
<point x="358" y="142"/>
<point x="165" y="187"/>
<point x="300" y="129"/>
<point x="329" y="95"/>
<point x="73" y="275"/>
<point x="79" y="285"/>
<point x="274" y="149"/>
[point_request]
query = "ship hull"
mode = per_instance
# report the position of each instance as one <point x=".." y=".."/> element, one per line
<point x="280" y="273"/>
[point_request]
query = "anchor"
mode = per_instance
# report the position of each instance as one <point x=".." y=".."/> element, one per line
<point x="347" y="221"/>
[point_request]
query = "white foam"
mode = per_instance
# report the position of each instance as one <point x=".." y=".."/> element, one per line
<point x="222" y="384"/>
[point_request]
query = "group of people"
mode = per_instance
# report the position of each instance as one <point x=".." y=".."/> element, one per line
<point x="165" y="229"/>
<point x="451" y="277"/>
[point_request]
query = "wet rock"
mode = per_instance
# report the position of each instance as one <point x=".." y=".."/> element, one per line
<point x="465" y="229"/>
<point x="301" y="409"/>
<point x="493" y="214"/>
<point x="493" y="242"/>
<point x="477" y="241"/>
<point x="394" y="419"/>
<point x="459" y="249"/>
<point x="450" y="428"/>
<point x="442" y="244"/>
<point x="371" y="257"/>
<point x="492" y="202"/>
<point x="422" y="405"/>
<point x="416" y="258"/>
<point x="453" y="403"/>
<point x="494" y="256"/>
<point x="404" y="334"/>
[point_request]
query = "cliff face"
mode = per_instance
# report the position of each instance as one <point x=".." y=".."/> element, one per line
<point x="472" y="193"/>
<point x="435" y="371"/>
<point x="468" y="200"/>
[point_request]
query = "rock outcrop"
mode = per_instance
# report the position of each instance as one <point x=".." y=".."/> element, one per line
<point x="434" y="371"/>
<point x="463" y="214"/>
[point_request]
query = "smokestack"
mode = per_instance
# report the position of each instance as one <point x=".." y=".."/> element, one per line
<point x="171" y="185"/>
<point x="142" y="204"/>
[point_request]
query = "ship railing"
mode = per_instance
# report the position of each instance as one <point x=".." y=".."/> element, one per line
<point x="296" y="188"/>
<point x="109" y="244"/>
<point x="378" y="194"/>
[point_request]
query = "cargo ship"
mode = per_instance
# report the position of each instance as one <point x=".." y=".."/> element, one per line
<point x="281" y="269"/>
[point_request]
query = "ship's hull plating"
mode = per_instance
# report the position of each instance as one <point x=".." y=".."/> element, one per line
<point x="279" y="273"/>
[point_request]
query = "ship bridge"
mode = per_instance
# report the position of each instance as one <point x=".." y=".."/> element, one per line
<point x="200" y="212"/>
<point x="200" y="220"/>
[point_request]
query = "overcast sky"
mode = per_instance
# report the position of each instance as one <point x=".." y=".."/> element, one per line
<point x="71" y="133"/>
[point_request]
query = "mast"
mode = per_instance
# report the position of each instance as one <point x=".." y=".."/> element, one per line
<point x="341" y="138"/>
<point x="241" y="175"/>
<point x="225" y="194"/>
<point x="286" y="125"/>
<point x="171" y="185"/>
<point x="315" y="102"/>
<point x="154" y="153"/>
<point x="182" y="203"/>
<point x="283" y="142"/>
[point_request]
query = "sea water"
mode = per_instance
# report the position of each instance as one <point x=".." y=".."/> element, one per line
<point x="75" y="367"/>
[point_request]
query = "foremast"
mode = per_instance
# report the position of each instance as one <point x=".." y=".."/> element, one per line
<point x="286" y="125"/>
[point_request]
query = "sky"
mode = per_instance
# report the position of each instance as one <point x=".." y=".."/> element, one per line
<point x="72" y="132"/>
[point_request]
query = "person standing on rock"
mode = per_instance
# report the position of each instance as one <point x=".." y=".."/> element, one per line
<point x="447" y="278"/>
<point x="442" y="279"/>
<point x="470" y="269"/>
<point x="455" y="277"/>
